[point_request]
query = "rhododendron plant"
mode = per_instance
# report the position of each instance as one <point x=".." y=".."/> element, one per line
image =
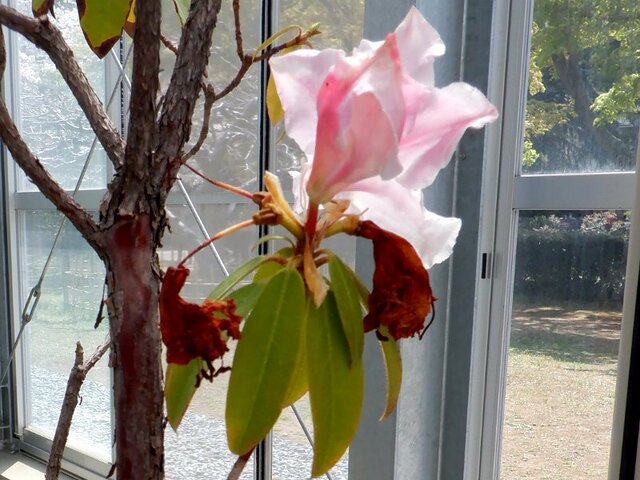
<point x="375" y="131"/>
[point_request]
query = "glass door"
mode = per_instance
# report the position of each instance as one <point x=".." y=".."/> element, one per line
<point x="561" y="217"/>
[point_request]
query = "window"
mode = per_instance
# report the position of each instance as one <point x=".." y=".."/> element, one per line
<point x="55" y="275"/>
<point x="556" y="233"/>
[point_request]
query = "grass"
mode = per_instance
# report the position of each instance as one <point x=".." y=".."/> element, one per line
<point x="560" y="393"/>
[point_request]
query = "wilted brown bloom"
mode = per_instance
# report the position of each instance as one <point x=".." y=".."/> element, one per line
<point x="190" y="330"/>
<point x="401" y="298"/>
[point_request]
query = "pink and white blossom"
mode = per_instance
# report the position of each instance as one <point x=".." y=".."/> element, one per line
<point x="375" y="130"/>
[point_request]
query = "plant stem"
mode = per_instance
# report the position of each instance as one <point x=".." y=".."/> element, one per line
<point x="312" y="221"/>
<point x="220" y="184"/>
<point x="217" y="236"/>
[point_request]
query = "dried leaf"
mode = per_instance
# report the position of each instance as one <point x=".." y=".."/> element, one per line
<point x="401" y="298"/>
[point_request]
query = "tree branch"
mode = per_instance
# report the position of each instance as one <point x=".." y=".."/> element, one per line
<point x="76" y="378"/>
<point x="141" y="137"/>
<point x="23" y="156"/>
<point x="43" y="34"/>
<point x="183" y="90"/>
<point x="78" y="216"/>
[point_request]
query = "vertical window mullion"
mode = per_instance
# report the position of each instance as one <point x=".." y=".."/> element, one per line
<point x="264" y="450"/>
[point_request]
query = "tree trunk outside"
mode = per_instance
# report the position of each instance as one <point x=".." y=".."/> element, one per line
<point x="134" y="282"/>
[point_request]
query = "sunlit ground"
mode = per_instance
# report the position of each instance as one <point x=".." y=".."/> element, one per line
<point x="560" y="393"/>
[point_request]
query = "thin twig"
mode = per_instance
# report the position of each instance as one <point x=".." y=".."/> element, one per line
<point x="217" y="236"/>
<point x="238" y="467"/>
<point x="209" y="100"/>
<point x="76" y="378"/>
<point x="223" y="185"/>
<point x="169" y="44"/>
<point x="246" y="61"/>
<point x="236" y="21"/>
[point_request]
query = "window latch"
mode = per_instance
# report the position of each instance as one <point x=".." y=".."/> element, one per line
<point x="486" y="266"/>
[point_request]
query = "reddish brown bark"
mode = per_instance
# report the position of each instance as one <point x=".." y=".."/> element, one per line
<point x="133" y="281"/>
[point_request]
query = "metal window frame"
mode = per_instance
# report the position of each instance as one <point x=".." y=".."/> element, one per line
<point x="505" y="192"/>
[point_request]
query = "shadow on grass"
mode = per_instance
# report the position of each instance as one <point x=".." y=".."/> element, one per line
<point x="565" y="347"/>
<point x="570" y="335"/>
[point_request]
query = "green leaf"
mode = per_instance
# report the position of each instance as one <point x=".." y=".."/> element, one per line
<point x="265" y="360"/>
<point x="246" y="297"/>
<point x="182" y="9"/>
<point x="274" y="106"/>
<point x="179" y="387"/>
<point x="336" y="388"/>
<point x="102" y="22"/>
<point x="363" y="291"/>
<point x="347" y="297"/>
<point x="227" y="285"/>
<point x="299" y="384"/>
<point x="267" y="270"/>
<point x="393" y="363"/>
<point x="41" y="7"/>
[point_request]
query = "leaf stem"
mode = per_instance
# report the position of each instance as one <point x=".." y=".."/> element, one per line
<point x="220" y="184"/>
<point x="217" y="236"/>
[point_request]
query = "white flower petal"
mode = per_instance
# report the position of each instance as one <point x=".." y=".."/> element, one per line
<point x="396" y="209"/>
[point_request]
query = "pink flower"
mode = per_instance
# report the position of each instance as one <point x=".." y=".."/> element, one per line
<point x="375" y="129"/>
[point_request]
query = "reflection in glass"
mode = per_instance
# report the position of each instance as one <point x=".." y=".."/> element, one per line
<point x="65" y="314"/>
<point x="584" y="79"/>
<point x="50" y="120"/>
<point x="231" y="150"/>
<point x="565" y="329"/>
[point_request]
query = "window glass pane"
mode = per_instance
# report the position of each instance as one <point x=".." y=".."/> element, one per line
<point x="231" y="151"/>
<point x="565" y="329"/>
<point x="198" y="451"/>
<point x="50" y="119"/>
<point x="65" y="314"/>
<point x="584" y="79"/>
